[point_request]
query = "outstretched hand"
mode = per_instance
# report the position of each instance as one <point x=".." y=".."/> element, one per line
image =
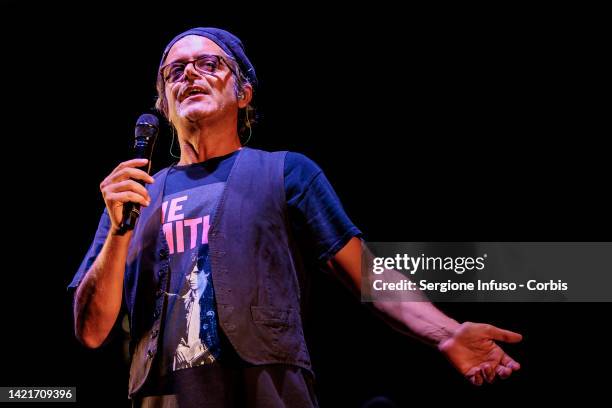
<point x="473" y="351"/>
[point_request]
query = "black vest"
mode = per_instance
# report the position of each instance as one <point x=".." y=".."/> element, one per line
<point x="254" y="269"/>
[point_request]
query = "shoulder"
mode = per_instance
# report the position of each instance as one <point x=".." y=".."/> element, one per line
<point x="300" y="173"/>
<point x="300" y="166"/>
<point x="296" y="165"/>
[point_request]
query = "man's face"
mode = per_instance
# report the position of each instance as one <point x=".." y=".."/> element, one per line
<point x="197" y="95"/>
<point x="197" y="279"/>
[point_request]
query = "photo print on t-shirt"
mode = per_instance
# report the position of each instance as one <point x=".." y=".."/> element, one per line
<point x="191" y="349"/>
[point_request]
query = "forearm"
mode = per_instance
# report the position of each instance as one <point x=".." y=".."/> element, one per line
<point x="415" y="314"/>
<point x="418" y="319"/>
<point x="98" y="297"/>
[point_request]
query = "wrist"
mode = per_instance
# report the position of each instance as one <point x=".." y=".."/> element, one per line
<point x="446" y="332"/>
<point x="116" y="233"/>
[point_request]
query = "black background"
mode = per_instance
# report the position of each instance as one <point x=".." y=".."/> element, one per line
<point x="438" y="124"/>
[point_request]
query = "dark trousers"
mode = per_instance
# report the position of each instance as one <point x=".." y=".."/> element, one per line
<point x="234" y="386"/>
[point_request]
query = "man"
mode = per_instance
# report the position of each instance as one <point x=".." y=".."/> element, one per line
<point x="256" y="218"/>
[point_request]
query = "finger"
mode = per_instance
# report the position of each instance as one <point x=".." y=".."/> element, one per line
<point x="128" y="185"/>
<point x="128" y="173"/>
<point x="503" y="335"/>
<point x="510" y="363"/>
<point x="474" y="376"/>
<point x="476" y="379"/>
<point x="127" y="164"/>
<point x="503" y="372"/>
<point x="119" y="195"/>
<point x="487" y="372"/>
<point x="128" y="196"/>
<point x="137" y="174"/>
<point x="130" y="163"/>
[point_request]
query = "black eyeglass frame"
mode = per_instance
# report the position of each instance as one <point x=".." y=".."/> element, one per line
<point x="194" y="61"/>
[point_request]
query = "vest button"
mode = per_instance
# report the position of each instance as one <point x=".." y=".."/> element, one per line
<point x="163" y="254"/>
<point x="150" y="353"/>
<point x="154" y="334"/>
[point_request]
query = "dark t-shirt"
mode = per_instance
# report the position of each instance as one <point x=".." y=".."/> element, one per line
<point x="190" y="335"/>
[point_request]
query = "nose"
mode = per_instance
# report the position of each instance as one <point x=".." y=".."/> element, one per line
<point x="191" y="72"/>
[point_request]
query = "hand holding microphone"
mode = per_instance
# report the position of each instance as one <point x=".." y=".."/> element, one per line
<point x="123" y="189"/>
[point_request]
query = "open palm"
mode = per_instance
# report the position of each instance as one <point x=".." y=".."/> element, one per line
<point x="473" y="351"/>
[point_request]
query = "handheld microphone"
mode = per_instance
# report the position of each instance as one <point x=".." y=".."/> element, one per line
<point x="145" y="134"/>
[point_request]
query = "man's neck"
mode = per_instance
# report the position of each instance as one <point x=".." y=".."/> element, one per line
<point x="200" y="143"/>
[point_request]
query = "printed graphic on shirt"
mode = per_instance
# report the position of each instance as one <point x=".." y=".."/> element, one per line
<point x="199" y="316"/>
<point x="190" y="334"/>
<point x="183" y="232"/>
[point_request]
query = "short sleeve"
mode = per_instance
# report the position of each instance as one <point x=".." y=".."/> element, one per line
<point x="93" y="251"/>
<point x="315" y="211"/>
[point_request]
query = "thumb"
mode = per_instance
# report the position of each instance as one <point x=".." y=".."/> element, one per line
<point x="506" y="336"/>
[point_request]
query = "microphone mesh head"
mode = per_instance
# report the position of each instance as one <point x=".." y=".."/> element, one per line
<point x="147" y="119"/>
<point x="147" y="125"/>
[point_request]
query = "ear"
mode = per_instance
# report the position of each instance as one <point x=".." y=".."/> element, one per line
<point x="244" y="97"/>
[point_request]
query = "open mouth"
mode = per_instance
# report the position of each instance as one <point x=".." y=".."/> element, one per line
<point x="191" y="92"/>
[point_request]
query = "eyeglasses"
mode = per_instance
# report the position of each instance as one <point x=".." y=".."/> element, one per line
<point x="206" y="64"/>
